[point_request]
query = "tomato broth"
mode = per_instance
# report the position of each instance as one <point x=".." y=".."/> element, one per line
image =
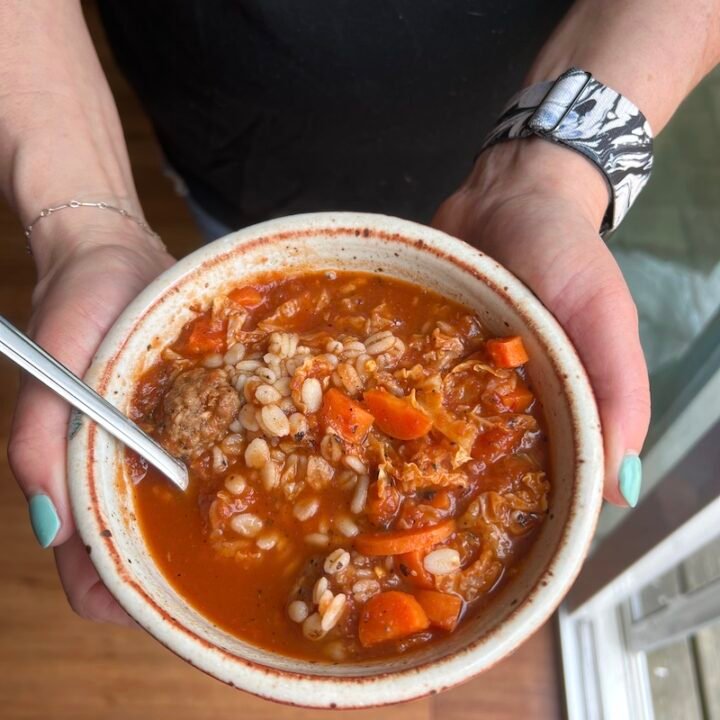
<point x="367" y="464"/>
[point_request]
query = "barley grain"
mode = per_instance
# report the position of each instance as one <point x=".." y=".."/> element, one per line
<point x="325" y="599"/>
<point x="234" y="354"/>
<point x="337" y="561"/>
<point x="305" y="509"/>
<point x="298" y="611"/>
<point x="235" y="483"/>
<point x="317" y="539"/>
<point x="321" y="585"/>
<point x="311" y="394"/>
<point x="331" y="448"/>
<point x="442" y="561"/>
<point x="333" y="612"/>
<point x="270" y="476"/>
<point x="381" y="346"/>
<point x="232" y="444"/>
<point x="219" y="461"/>
<point x="275" y="420"/>
<point x="257" y="453"/>
<point x="350" y="378"/>
<point x="298" y="425"/>
<point x="246" y="524"/>
<point x="248" y="366"/>
<point x="354" y="463"/>
<point x="357" y="505"/>
<point x="312" y="627"/>
<point x="346" y="526"/>
<point x="266" y="394"/>
<point x="214" y="360"/>
<point x="266" y="374"/>
<point x="267" y="541"/>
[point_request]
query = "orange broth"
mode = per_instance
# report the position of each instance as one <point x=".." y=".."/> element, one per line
<point x="244" y="559"/>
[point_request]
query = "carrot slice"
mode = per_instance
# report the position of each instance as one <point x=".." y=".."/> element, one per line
<point x="345" y="416"/>
<point x="390" y="616"/>
<point x="246" y="296"/>
<point x="507" y="352"/>
<point x="204" y="337"/>
<point x="518" y="400"/>
<point x="398" y="542"/>
<point x="412" y="569"/>
<point x="396" y="417"/>
<point x="442" y="609"/>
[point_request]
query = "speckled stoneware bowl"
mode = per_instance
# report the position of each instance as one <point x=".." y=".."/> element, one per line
<point x="103" y="505"/>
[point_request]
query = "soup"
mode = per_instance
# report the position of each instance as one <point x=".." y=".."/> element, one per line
<point x="367" y="465"/>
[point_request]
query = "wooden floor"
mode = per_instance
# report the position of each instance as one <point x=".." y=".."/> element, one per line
<point x="54" y="665"/>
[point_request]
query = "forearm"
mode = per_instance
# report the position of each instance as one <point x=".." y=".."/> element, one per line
<point x="60" y="135"/>
<point x="652" y="51"/>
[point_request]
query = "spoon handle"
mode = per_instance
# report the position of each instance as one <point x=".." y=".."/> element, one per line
<point x="34" y="360"/>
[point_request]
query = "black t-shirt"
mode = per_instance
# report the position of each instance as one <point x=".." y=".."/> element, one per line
<point x="272" y="107"/>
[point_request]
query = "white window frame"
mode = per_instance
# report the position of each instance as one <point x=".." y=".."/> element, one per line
<point x="603" y="649"/>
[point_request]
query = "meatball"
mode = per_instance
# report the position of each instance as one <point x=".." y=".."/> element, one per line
<point x="196" y="413"/>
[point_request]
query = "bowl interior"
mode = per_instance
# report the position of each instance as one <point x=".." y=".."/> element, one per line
<point x="100" y="489"/>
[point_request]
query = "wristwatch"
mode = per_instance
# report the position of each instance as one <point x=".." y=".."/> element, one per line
<point x="583" y="114"/>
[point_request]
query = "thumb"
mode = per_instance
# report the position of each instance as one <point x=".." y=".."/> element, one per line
<point x="38" y="439"/>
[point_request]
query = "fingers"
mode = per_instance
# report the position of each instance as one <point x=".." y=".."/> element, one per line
<point x="85" y="592"/>
<point x="600" y="317"/>
<point x="36" y="452"/>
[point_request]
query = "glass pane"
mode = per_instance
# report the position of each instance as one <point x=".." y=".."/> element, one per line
<point x="673" y="683"/>
<point x="702" y="567"/>
<point x="656" y="594"/>
<point x="707" y="653"/>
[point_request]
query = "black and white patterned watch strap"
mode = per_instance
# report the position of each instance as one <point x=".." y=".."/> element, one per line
<point x="578" y="111"/>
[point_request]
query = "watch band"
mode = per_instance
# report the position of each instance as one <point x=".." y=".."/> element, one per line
<point x="583" y="114"/>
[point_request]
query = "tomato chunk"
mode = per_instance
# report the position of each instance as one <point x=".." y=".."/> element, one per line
<point x="507" y="352"/>
<point x="343" y="415"/>
<point x="396" y="417"/>
<point x="204" y="337"/>
<point x="398" y="542"/>
<point x="246" y="296"/>
<point x="442" y="609"/>
<point x="390" y="616"/>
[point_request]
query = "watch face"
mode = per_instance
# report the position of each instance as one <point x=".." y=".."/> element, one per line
<point x="558" y="101"/>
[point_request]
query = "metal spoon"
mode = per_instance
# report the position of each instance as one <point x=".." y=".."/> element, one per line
<point x="33" y="359"/>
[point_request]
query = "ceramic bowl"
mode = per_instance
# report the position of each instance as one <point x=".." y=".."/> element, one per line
<point x="103" y="505"/>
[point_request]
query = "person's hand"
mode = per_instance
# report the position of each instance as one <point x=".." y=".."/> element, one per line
<point x="80" y="292"/>
<point x="536" y="208"/>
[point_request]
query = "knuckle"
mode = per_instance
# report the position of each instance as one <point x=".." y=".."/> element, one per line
<point x="93" y="604"/>
<point x="17" y="454"/>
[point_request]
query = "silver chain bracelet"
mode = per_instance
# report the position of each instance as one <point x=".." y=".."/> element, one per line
<point x="78" y="204"/>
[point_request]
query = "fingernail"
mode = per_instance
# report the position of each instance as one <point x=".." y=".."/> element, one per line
<point x="44" y="519"/>
<point x="631" y="478"/>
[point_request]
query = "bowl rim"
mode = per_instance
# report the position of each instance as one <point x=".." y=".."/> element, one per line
<point x="428" y="677"/>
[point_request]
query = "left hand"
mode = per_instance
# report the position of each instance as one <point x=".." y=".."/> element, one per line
<point x="536" y="208"/>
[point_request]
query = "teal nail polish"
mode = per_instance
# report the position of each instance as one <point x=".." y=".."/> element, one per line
<point x="631" y="478"/>
<point x="44" y="519"/>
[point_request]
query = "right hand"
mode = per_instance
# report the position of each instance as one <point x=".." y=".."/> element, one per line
<point x="79" y="294"/>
